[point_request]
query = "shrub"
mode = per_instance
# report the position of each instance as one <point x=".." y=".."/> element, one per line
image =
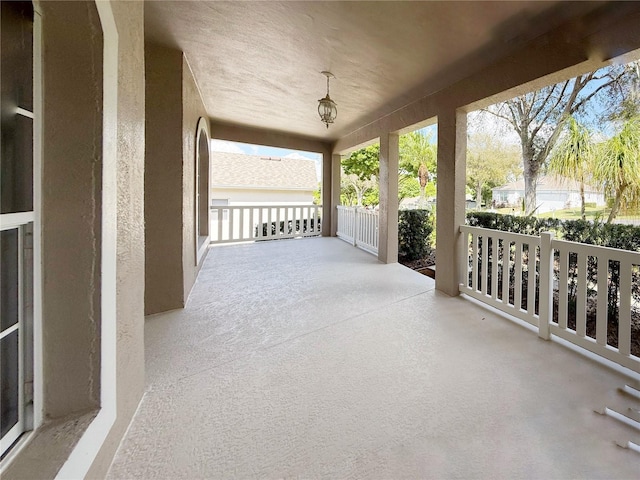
<point x="306" y="223"/>
<point x="511" y="223"/>
<point x="414" y="234"/>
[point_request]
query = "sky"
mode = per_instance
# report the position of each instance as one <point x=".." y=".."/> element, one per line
<point x="248" y="149"/>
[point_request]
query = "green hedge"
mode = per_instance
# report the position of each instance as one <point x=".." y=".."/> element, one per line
<point x="624" y="237"/>
<point x="414" y="234"/>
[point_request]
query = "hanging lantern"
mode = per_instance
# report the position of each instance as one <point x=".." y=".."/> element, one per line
<point x="327" y="108"/>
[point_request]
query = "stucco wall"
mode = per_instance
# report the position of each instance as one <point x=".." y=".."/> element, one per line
<point x="163" y="179"/>
<point x="192" y="110"/>
<point x="92" y="128"/>
<point x="130" y="257"/>
<point x="71" y="208"/>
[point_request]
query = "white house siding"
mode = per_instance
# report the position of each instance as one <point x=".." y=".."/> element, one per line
<point x="255" y="196"/>
<point x="551" y="194"/>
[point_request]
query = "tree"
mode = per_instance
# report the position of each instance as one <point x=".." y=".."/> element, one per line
<point x="490" y="162"/>
<point x="363" y="163"/>
<point x="317" y="195"/>
<point x="417" y="158"/>
<point x="354" y="188"/>
<point x="417" y="161"/>
<point x="539" y="117"/>
<point x="408" y="187"/>
<point x="629" y="89"/>
<point x="573" y="156"/>
<point x="618" y="166"/>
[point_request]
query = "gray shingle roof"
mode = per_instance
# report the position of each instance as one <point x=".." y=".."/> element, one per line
<point x="255" y="171"/>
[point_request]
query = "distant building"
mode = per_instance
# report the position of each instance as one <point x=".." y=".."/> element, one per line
<point x="552" y="193"/>
<point x="239" y="179"/>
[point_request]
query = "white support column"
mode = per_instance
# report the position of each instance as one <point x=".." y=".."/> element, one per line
<point x="451" y="170"/>
<point x="334" y="199"/>
<point x="388" y="227"/>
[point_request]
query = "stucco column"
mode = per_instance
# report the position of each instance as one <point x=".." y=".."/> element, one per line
<point x="328" y="211"/>
<point x="452" y="147"/>
<point x="388" y="226"/>
<point x="336" y="172"/>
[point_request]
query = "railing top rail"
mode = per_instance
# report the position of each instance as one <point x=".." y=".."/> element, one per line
<point x="359" y="209"/>
<point x="589" y="249"/>
<point x="517" y="237"/>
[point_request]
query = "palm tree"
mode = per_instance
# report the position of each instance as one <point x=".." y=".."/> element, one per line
<point x="573" y="156"/>
<point x="619" y="166"/>
<point x="417" y="158"/>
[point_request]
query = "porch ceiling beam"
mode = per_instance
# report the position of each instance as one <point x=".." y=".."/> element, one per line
<point x="270" y="138"/>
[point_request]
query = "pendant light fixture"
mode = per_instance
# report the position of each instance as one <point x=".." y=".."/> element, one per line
<point x="327" y="108"/>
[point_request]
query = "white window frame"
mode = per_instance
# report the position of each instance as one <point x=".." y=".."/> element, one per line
<point x="30" y="341"/>
<point x="6" y="225"/>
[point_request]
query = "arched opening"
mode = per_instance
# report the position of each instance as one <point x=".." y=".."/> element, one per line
<point x="203" y="175"/>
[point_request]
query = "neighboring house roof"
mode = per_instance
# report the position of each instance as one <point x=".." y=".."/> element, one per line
<point x="549" y="183"/>
<point x="235" y="170"/>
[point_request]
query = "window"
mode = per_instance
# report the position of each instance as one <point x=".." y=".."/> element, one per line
<point x="16" y="223"/>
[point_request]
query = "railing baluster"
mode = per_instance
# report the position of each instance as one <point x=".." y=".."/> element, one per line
<point x="602" y="297"/>
<point x="474" y="260"/>
<point x="517" y="272"/>
<point x="287" y="221"/>
<point x="624" y="315"/>
<point x="251" y="223"/>
<point x="355" y="226"/>
<point x="531" y="279"/>
<point x="464" y="281"/>
<point x="494" y="267"/>
<point x="220" y="220"/>
<point x="485" y="263"/>
<point x="270" y="232"/>
<point x="277" y="211"/>
<point x="545" y="305"/>
<point x="242" y="229"/>
<point x="230" y="216"/>
<point x="506" y="270"/>
<point x="563" y="288"/>
<point x="367" y="221"/>
<point x="581" y="295"/>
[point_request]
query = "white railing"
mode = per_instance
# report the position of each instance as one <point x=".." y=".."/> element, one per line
<point x="553" y="285"/>
<point x="263" y="222"/>
<point x="359" y="227"/>
<point x="499" y="281"/>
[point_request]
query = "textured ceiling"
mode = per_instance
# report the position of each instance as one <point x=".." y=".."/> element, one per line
<point x="258" y="64"/>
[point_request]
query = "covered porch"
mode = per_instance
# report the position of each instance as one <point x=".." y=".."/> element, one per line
<point x="294" y="358"/>
<point x="311" y="358"/>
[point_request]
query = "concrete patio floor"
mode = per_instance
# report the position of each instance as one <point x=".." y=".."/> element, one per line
<point x="308" y="358"/>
